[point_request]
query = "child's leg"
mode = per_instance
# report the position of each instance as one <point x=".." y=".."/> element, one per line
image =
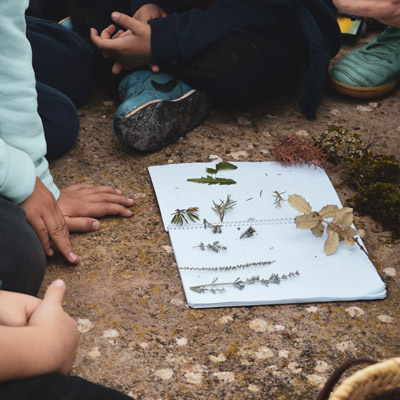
<point x="22" y="260"/>
<point x="244" y="66"/>
<point x="61" y="59"/>
<point x="60" y="120"/>
<point x="57" y="387"/>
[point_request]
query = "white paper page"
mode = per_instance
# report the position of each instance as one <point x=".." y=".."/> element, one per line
<point x="346" y="275"/>
<point x="256" y="183"/>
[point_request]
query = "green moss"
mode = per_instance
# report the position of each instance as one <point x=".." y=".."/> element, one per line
<point x="339" y="143"/>
<point x="370" y="169"/>
<point x="382" y="202"/>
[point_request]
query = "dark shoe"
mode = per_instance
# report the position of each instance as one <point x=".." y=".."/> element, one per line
<point x="157" y="110"/>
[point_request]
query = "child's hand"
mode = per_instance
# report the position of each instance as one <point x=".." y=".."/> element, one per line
<point x="149" y="11"/>
<point x="78" y="203"/>
<point x="47" y="220"/>
<point x="58" y="331"/>
<point x="16" y="308"/>
<point x="130" y="51"/>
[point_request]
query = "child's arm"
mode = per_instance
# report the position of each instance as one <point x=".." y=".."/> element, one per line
<point x="47" y="344"/>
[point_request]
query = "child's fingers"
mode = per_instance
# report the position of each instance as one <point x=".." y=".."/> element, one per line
<point x="82" y="224"/>
<point x="127" y="22"/>
<point x="55" y="292"/>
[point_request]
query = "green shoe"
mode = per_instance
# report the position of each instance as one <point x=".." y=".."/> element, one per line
<point x="372" y="70"/>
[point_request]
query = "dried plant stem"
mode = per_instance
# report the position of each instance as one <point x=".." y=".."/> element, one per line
<point x="215" y="287"/>
<point x="228" y="267"/>
<point x="340" y="231"/>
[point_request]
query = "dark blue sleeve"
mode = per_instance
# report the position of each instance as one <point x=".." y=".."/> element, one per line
<point x="169" y="6"/>
<point x="180" y="36"/>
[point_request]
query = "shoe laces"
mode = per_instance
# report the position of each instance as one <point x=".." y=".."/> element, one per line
<point x="385" y="45"/>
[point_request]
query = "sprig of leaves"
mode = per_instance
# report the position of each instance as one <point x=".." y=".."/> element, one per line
<point x="181" y="216"/>
<point x="215" y="228"/>
<point x="221" y="166"/>
<point x="223" y="206"/>
<point x="337" y="221"/>
<point x="278" y="198"/>
<point x="210" y="180"/>
<point x="216" y="287"/>
<point x="215" y="246"/>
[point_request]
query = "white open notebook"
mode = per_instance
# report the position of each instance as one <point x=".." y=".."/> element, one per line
<point x="345" y="275"/>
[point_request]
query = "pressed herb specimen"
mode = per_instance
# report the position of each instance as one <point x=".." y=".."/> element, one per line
<point x="223" y="206"/>
<point x="338" y="227"/>
<point x="292" y="150"/>
<point x="229" y="267"/>
<point x="181" y="216"/>
<point x="248" y="232"/>
<point x="224" y="165"/>
<point x="215" y="228"/>
<point x="210" y="180"/>
<point x="216" y="287"/>
<point x="216" y="246"/>
<point x="278" y="198"/>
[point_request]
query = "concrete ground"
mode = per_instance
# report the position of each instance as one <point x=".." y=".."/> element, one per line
<point x="137" y="333"/>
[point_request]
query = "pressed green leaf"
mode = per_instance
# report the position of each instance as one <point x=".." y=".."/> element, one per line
<point x="318" y="230"/>
<point x="210" y="180"/>
<point x="328" y="211"/>
<point x="332" y="243"/>
<point x="307" y="221"/>
<point x="299" y="203"/>
<point x="221" y="166"/>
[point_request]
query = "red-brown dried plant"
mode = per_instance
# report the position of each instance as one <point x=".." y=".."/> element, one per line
<point x="292" y="150"/>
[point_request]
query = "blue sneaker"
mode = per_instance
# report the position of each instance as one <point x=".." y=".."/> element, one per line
<point x="66" y="23"/>
<point x="372" y="70"/>
<point x="157" y="110"/>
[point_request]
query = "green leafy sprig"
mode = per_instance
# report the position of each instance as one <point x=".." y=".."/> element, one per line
<point x="220" y="167"/>
<point x="224" y="206"/>
<point x="210" y="180"/>
<point x="181" y="216"/>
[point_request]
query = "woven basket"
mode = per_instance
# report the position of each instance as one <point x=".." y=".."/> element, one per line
<point x="372" y="380"/>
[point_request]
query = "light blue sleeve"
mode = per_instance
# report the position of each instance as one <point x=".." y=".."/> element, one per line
<point x="22" y="141"/>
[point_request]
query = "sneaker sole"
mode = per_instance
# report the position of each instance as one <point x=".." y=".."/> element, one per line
<point x="158" y="123"/>
<point x="362" y="92"/>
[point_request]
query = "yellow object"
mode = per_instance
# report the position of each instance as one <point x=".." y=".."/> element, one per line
<point x="348" y="25"/>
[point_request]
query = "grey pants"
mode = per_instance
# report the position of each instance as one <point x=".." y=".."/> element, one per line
<point x="22" y="258"/>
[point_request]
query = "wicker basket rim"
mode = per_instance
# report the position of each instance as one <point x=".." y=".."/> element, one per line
<point x="374" y="379"/>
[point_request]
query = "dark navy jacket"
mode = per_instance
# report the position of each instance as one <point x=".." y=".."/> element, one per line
<point x="182" y="35"/>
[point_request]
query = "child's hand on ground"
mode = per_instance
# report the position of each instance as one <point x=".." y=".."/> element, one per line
<point x="386" y="11"/>
<point x="130" y="51"/>
<point x="16" y="308"/>
<point x="79" y="203"/>
<point x="47" y="220"/>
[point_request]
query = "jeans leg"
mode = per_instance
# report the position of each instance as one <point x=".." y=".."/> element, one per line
<point x="60" y="120"/>
<point x="22" y="260"/>
<point x="61" y="59"/>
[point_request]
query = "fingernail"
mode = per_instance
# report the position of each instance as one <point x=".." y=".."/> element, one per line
<point x="118" y="191"/>
<point x="115" y="15"/>
<point x="73" y="257"/>
<point x="129" y="212"/>
<point x="130" y="200"/>
<point x="95" y="225"/>
<point x="50" y="252"/>
<point x="59" y="282"/>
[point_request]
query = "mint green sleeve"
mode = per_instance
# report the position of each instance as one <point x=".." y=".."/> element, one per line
<point x="22" y="141"/>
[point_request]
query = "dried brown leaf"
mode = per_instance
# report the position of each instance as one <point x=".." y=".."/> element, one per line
<point x="299" y="203"/>
<point x="307" y="221"/>
<point x="338" y="219"/>
<point x="328" y="211"/>
<point x="318" y="230"/>
<point x="331" y="243"/>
